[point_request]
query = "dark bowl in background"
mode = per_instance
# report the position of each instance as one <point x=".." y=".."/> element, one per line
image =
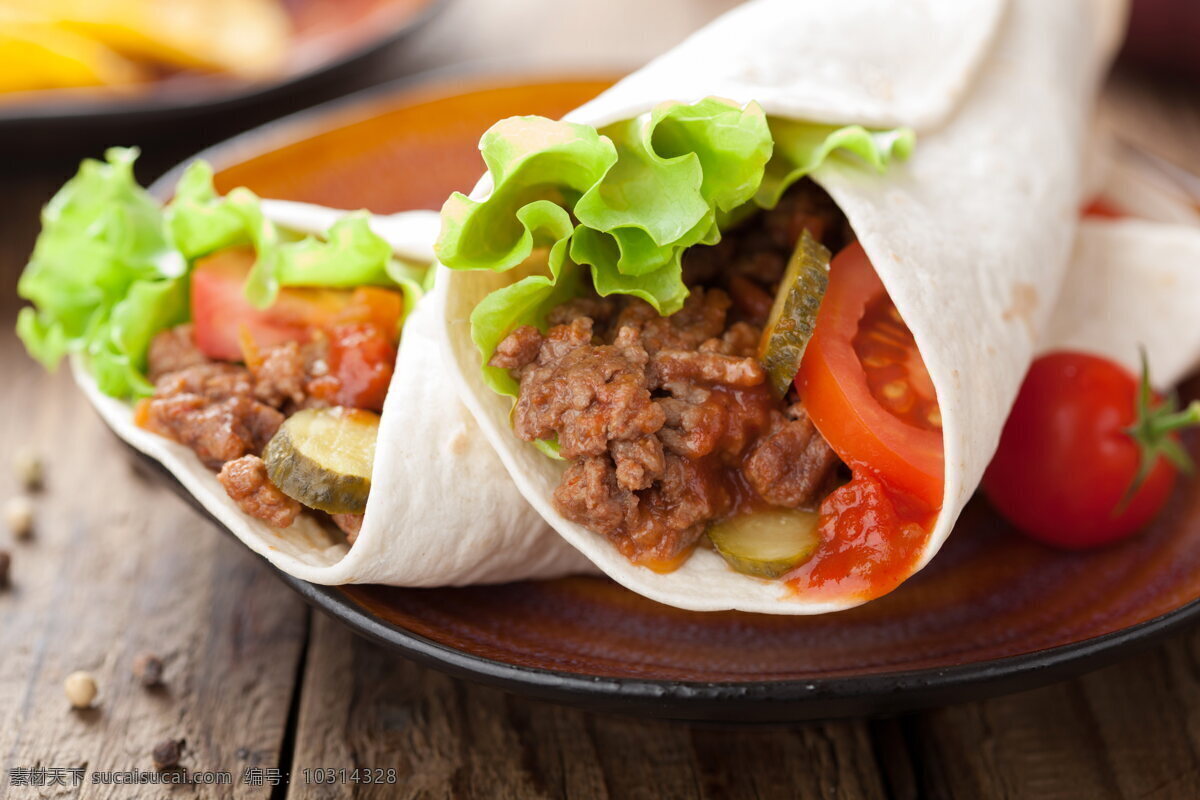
<point x="1164" y="40"/>
<point x="332" y="41"/>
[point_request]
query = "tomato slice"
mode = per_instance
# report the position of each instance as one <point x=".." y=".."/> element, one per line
<point x="222" y="314"/>
<point x="866" y="388"/>
<point x="383" y="308"/>
<point x="361" y="359"/>
<point x="1103" y="207"/>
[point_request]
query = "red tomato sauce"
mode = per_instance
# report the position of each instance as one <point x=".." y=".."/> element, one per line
<point x="869" y="393"/>
<point x="872" y="537"/>
<point x="1103" y="207"/>
<point x="361" y="362"/>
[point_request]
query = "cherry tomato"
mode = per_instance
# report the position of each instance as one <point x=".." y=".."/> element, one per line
<point x="865" y="386"/>
<point x="1066" y="460"/>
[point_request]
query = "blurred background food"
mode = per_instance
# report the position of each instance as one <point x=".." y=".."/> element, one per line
<point x="1164" y="37"/>
<point x="122" y="45"/>
<point x="119" y="48"/>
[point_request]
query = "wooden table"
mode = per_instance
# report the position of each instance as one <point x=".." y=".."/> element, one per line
<point x="254" y="679"/>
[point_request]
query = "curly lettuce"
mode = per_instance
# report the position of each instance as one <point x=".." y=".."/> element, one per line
<point x="111" y="266"/>
<point x="104" y="276"/>
<point x="620" y="205"/>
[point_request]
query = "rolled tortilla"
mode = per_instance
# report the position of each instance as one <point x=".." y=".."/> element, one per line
<point x="971" y="237"/>
<point x="1130" y="281"/>
<point x="1134" y="282"/>
<point x="442" y="510"/>
<point x="1134" y="285"/>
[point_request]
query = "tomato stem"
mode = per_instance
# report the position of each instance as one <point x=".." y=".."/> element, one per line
<point x="1153" y="432"/>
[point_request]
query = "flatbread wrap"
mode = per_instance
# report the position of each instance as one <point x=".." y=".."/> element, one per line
<point x="604" y="289"/>
<point x="268" y="372"/>
<point x="434" y="475"/>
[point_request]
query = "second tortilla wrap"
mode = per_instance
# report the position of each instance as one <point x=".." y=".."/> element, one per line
<point x="971" y="237"/>
<point x="1131" y="281"/>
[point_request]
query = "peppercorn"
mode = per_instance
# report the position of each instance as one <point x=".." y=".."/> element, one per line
<point x="28" y="467"/>
<point x="167" y="753"/>
<point x="80" y="688"/>
<point x="149" y="669"/>
<point x="18" y="515"/>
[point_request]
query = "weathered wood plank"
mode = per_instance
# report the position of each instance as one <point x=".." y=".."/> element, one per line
<point x="1147" y="716"/>
<point x="363" y="707"/>
<point x="1035" y="744"/>
<point x="120" y="565"/>
<point x="1128" y="731"/>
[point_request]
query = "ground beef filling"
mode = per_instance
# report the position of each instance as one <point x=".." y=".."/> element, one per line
<point x="227" y="413"/>
<point x="668" y="422"/>
<point x="245" y="480"/>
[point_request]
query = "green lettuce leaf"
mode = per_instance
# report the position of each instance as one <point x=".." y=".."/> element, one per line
<point x="111" y="266"/>
<point x="674" y="172"/>
<point x="528" y="300"/>
<point x="349" y="255"/>
<point x="199" y="220"/>
<point x="535" y="164"/>
<point x="801" y="147"/>
<point x="640" y="192"/>
<point x="102" y="276"/>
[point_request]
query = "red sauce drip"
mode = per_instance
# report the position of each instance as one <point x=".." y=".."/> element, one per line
<point x="872" y="536"/>
<point x="361" y="361"/>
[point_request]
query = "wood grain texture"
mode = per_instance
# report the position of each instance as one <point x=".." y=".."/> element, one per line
<point x="1128" y="731"/>
<point x="119" y="566"/>
<point x="449" y="739"/>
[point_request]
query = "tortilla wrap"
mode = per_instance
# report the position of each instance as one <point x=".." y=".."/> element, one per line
<point x="1134" y="284"/>
<point x="442" y="511"/>
<point x="1130" y="281"/>
<point x="971" y="237"/>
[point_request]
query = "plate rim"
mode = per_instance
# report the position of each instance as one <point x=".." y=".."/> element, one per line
<point x="774" y="701"/>
<point x="921" y="688"/>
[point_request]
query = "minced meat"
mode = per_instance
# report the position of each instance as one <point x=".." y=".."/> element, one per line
<point x="349" y="524"/>
<point x="787" y="463"/>
<point x="245" y="480"/>
<point x="227" y="413"/>
<point x="171" y="351"/>
<point x="279" y="375"/>
<point x="668" y="422"/>
<point x="211" y="408"/>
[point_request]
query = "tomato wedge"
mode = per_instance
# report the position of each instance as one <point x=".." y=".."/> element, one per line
<point x="866" y="388"/>
<point x="221" y="312"/>
<point x="1103" y="207"/>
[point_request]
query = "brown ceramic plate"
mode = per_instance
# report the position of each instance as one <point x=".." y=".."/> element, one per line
<point x="327" y="36"/>
<point x="993" y="612"/>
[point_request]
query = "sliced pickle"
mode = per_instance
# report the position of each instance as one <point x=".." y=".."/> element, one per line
<point x="794" y="314"/>
<point x="766" y="543"/>
<point x="322" y="457"/>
